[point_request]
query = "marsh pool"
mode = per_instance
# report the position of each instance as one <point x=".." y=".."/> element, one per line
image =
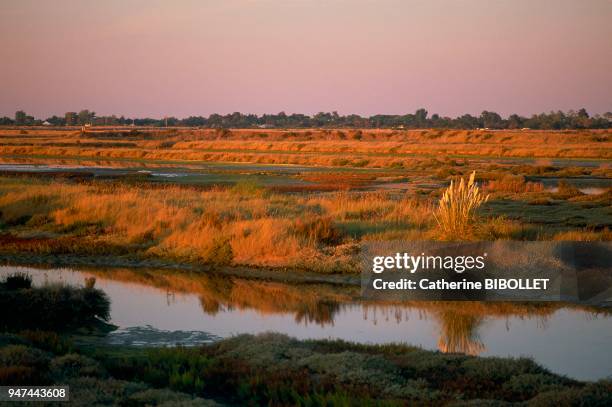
<point x="161" y="307"/>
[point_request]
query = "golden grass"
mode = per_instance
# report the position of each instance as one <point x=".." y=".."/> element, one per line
<point x="513" y="184"/>
<point x="583" y="235"/>
<point x="253" y="226"/>
<point x="262" y="228"/>
<point x="456" y="213"/>
<point x="306" y="147"/>
<point x="315" y="225"/>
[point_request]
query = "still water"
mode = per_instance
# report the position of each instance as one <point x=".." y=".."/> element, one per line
<point x="160" y="307"/>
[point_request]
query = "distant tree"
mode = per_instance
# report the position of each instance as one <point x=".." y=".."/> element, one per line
<point x="20" y="117"/>
<point x="420" y="116"/>
<point x="70" y="118"/>
<point x="322" y="119"/>
<point x="515" y="122"/>
<point x="194" y="121"/>
<point x="467" y="121"/>
<point x="56" y="120"/>
<point x="6" y="121"/>
<point x="85" y="117"/>
<point x="553" y="120"/>
<point x="491" y="120"/>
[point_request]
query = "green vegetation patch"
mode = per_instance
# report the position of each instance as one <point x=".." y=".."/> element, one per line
<point x="52" y="306"/>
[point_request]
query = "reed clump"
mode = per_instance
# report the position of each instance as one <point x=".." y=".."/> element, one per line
<point x="514" y="184"/>
<point x="456" y="212"/>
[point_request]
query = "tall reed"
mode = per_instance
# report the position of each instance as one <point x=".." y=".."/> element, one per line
<point x="456" y="213"/>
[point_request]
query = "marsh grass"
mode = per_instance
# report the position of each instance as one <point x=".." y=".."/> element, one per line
<point x="251" y="226"/>
<point x="347" y="148"/>
<point x="456" y="212"/>
<point x="514" y="184"/>
<point x="243" y="225"/>
<point x="567" y="190"/>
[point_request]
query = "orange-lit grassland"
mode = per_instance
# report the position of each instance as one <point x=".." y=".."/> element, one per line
<point x="363" y="148"/>
<point x="316" y="225"/>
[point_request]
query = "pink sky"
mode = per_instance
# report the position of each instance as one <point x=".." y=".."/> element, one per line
<point x="181" y="58"/>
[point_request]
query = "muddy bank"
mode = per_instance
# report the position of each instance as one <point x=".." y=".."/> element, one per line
<point x="280" y="275"/>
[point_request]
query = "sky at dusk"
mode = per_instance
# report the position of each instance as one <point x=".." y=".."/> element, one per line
<point x="156" y="58"/>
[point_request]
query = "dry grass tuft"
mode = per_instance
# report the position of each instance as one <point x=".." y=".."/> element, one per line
<point x="514" y="184"/>
<point x="457" y="208"/>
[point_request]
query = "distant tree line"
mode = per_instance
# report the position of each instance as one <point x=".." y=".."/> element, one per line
<point x="420" y="119"/>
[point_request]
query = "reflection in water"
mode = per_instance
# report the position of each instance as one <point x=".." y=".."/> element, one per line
<point x="459" y="333"/>
<point x="458" y="322"/>
<point x="229" y="305"/>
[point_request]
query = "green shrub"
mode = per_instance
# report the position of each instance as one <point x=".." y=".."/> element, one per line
<point x="74" y="365"/>
<point x="499" y="370"/>
<point x="17" y="281"/>
<point x="52" y="306"/>
<point x="23" y="355"/>
<point x="177" y="368"/>
<point x="20" y="375"/>
<point x="22" y="365"/>
<point x="11" y="339"/>
<point x="525" y="386"/>
<point x="92" y="391"/>
<point x="164" y="397"/>
<point x="597" y="394"/>
<point x="47" y="340"/>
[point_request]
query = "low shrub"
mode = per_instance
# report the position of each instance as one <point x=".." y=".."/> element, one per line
<point x="593" y="394"/>
<point x="515" y="184"/>
<point x="541" y="201"/>
<point x="47" y="340"/>
<point x="17" y="281"/>
<point x="54" y="307"/>
<point x="567" y="190"/>
<point x="168" y="398"/>
<point x="178" y="368"/>
<point x="39" y="220"/>
<point x="319" y="230"/>
<point x="526" y="386"/>
<point x="20" y="364"/>
<point x="75" y="365"/>
<point x="496" y="370"/>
